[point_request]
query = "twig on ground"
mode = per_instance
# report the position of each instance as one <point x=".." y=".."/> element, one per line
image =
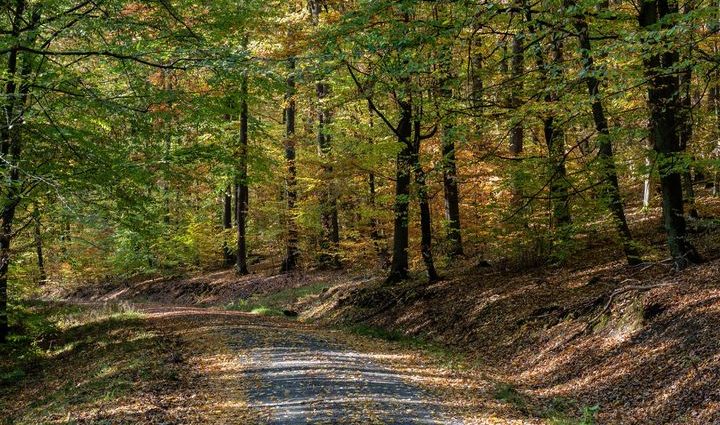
<point x="623" y="290"/>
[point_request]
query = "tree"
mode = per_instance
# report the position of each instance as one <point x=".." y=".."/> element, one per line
<point x="328" y="203"/>
<point x="292" y="253"/>
<point x="242" y="179"/>
<point x="606" y="158"/>
<point x="665" y="123"/>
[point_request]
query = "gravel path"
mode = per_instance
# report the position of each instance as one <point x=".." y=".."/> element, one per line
<point x="295" y="378"/>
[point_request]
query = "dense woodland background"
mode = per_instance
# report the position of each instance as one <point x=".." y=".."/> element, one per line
<point x="151" y="137"/>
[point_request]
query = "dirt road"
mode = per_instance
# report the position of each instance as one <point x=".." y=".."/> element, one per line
<point x="259" y="370"/>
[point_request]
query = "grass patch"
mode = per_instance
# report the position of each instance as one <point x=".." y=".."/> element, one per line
<point x="65" y="362"/>
<point x="566" y="411"/>
<point x="447" y="357"/>
<point x="273" y="304"/>
<point x="587" y="417"/>
<point x="507" y="393"/>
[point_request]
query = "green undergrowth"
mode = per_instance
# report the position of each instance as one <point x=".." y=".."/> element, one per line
<point x="65" y="361"/>
<point x="556" y="411"/>
<point x="274" y="303"/>
<point x="445" y="356"/>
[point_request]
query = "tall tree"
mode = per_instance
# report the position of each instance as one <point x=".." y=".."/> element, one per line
<point x="660" y="61"/>
<point x="451" y="190"/>
<point x="17" y="75"/>
<point x="606" y="157"/>
<point x="423" y="203"/>
<point x="243" y="193"/>
<point x="330" y="239"/>
<point x="292" y="253"/>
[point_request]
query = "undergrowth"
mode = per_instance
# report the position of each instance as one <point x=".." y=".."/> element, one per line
<point x="276" y="303"/>
<point x="449" y="358"/>
<point x="66" y="361"/>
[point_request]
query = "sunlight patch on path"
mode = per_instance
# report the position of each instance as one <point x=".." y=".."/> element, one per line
<point x="298" y="379"/>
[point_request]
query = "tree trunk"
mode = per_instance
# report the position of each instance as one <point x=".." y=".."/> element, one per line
<point x="292" y="253"/>
<point x="608" y="172"/>
<point x="37" y="233"/>
<point x="425" y="218"/>
<point x="664" y="122"/>
<point x="375" y="233"/>
<point x="243" y="192"/>
<point x="330" y="238"/>
<point x="686" y="131"/>
<point x="555" y="140"/>
<point x="647" y="183"/>
<point x="517" y="70"/>
<point x="227" y="223"/>
<point x="11" y="148"/>
<point x="554" y="135"/>
<point x="400" y="263"/>
<point x="227" y="208"/>
<point x="451" y="192"/>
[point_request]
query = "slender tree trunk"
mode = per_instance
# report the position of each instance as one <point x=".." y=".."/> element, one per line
<point x="330" y="239"/>
<point x="647" y="183"/>
<point x="517" y="132"/>
<point x="715" y="105"/>
<point x="555" y="140"/>
<point x="227" y="207"/>
<point x="14" y="104"/>
<point x="292" y="253"/>
<point x="227" y="223"/>
<point x="243" y="192"/>
<point x="425" y="218"/>
<point x="665" y="114"/>
<point x="686" y="129"/>
<point x="451" y="191"/>
<point x="37" y="233"/>
<point x="375" y="232"/>
<point x="7" y="141"/>
<point x="400" y="263"/>
<point x="554" y="135"/>
<point x="608" y="172"/>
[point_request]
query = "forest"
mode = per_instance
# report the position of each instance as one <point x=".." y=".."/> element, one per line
<point x="521" y="196"/>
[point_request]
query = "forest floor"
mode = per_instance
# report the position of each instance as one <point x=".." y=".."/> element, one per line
<point x="183" y="365"/>
<point x="603" y="344"/>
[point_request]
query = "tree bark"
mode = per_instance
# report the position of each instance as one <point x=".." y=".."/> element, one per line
<point x="227" y="223"/>
<point x="686" y="130"/>
<point x="14" y="104"/>
<point x="375" y="233"/>
<point x="451" y="191"/>
<point x="517" y="132"/>
<point x="554" y="135"/>
<point x="400" y="263"/>
<point x="425" y="218"/>
<point x="665" y="114"/>
<point x="608" y="171"/>
<point x="330" y="238"/>
<point x="37" y="233"/>
<point x="243" y="192"/>
<point x="292" y="252"/>
<point x="555" y="140"/>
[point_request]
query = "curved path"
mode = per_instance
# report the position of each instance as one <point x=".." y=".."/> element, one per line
<point x="257" y="370"/>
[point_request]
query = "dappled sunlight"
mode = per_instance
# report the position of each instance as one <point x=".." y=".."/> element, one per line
<point x="312" y="381"/>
